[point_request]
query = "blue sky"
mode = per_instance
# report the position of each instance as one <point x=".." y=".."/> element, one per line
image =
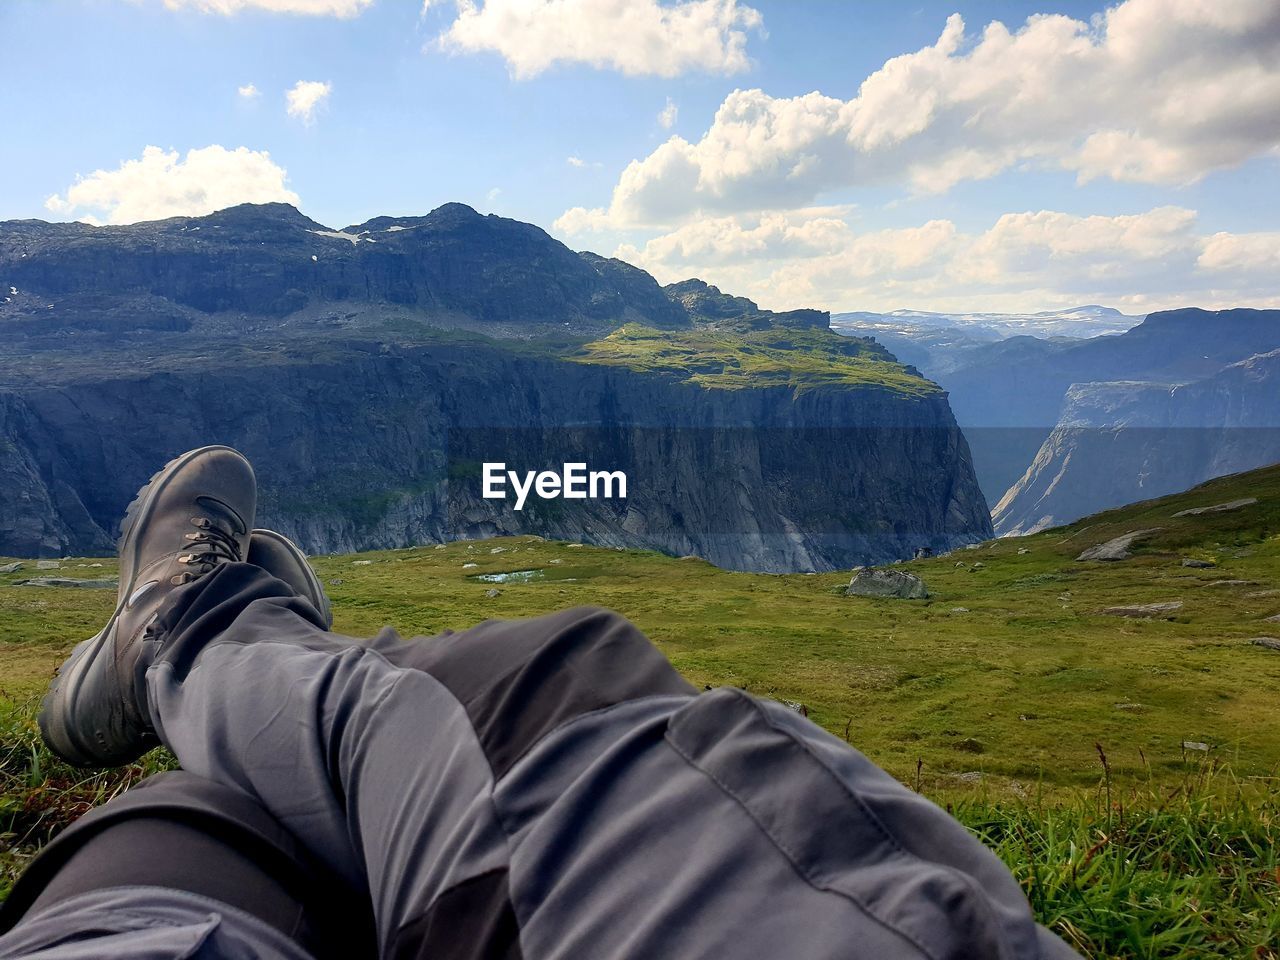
<point x="1130" y="159"/>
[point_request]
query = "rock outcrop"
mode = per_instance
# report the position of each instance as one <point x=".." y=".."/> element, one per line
<point x="1117" y="548"/>
<point x="1121" y="442"/>
<point x="707" y="306"/>
<point x="887" y="583"/>
<point x="1229" y="507"/>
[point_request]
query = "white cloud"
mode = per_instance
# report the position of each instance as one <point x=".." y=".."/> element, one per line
<point x="249" y="91"/>
<point x="314" y="8"/>
<point x="1153" y="91"/>
<point x="575" y="161"/>
<point x="1046" y="258"/>
<point x="306" y="97"/>
<point x="160" y="184"/>
<point x="667" y="118"/>
<point x="634" y="37"/>
<point x="1242" y="253"/>
<point x="493" y="194"/>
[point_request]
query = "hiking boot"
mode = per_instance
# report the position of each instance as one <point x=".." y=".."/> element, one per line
<point x="281" y="557"/>
<point x="191" y="517"/>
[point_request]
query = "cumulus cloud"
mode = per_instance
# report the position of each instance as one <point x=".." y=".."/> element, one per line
<point x="1152" y="91"/>
<point x="249" y="91"/>
<point x="1141" y="261"/>
<point x="305" y="98"/>
<point x="1247" y="253"/>
<point x="313" y="8"/>
<point x="667" y="118"/>
<point x="162" y="184"/>
<point x="575" y="161"/>
<point x="634" y="37"/>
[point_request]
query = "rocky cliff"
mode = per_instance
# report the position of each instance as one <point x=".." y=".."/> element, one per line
<point x="1121" y="442"/>
<point x="1008" y="394"/>
<point x="369" y="383"/>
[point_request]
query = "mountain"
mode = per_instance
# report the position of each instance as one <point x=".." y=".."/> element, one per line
<point x="271" y="263"/>
<point x="1120" y="442"/>
<point x="1008" y="393"/>
<point x="940" y="343"/>
<point x="1022" y="381"/>
<point x="370" y="371"/>
<point x="707" y="306"/>
<point x="946" y="347"/>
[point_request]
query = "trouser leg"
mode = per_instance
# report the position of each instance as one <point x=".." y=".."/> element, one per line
<point x="551" y="788"/>
<point x="381" y="756"/>
<point x="201" y="845"/>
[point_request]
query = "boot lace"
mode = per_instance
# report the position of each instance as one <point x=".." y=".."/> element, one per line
<point x="210" y="546"/>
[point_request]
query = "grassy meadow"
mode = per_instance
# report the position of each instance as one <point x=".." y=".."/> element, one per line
<point x="1127" y="769"/>
<point x="779" y="356"/>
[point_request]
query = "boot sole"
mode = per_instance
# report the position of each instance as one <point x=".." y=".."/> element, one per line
<point x="59" y="700"/>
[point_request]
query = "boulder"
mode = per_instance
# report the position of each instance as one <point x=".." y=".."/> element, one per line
<point x="887" y="583"/>
<point x="1117" y="549"/>
<point x="47" y="564"/>
<point x="1144" y="610"/>
<point x="1271" y="643"/>
<point x="11" y="567"/>
<point x="1275" y="619"/>
<point x="1218" y="507"/>
<point x="1198" y="564"/>
<point x="493" y="592"/>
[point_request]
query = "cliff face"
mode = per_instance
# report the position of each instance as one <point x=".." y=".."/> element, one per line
<point x="334" y="360"/>
<point x="382" y="449"/>
<point x="1121" y="442"/>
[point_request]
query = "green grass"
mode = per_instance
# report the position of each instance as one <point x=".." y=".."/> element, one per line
<point x="799" y="359"/>
<point x="998" y="711"/>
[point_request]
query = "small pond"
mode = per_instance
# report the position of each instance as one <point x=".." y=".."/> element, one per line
<point x="513" y="576"/>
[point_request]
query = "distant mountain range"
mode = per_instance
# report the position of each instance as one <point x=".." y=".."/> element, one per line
<point x="1076" y="322"/>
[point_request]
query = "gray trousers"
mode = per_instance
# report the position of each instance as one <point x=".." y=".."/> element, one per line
<point x="543" y="788"/>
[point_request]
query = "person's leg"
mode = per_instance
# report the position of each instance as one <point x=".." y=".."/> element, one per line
<point x="545" y="788"/>
<point x="381" y="756"/>
<point x="199" y="849"/>
<point x="552" y="788"/>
